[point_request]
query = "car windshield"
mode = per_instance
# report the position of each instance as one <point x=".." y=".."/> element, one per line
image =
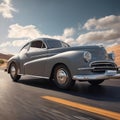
<point x="56" y="44"/>
<point x="25" y="47"/>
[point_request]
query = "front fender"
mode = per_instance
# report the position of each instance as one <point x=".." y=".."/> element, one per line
<point x="14" y="59"/>
<point x="72" y="59"/>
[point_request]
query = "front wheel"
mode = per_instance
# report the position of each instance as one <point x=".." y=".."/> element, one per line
<point x="14" y="72"/>
<point x="62" y="77"/>
<point x="96" y="82"/>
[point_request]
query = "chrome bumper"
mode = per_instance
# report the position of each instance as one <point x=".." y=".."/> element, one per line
<point x="109" y="74"/>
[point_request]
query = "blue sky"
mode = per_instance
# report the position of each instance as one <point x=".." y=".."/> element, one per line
<point x="77" y="22"/>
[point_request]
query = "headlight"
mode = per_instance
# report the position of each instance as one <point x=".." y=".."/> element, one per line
<point x="87" y="56"/>
<point x="111" y="55"/>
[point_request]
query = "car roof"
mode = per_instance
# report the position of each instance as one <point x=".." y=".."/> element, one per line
<point x="46" y="39"/>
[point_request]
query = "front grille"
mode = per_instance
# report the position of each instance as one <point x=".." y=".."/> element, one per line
<point x="103" y="66"/>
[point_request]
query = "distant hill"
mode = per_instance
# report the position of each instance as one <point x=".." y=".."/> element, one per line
<point x="5" y="56"/>
<point x="116" y="50"/>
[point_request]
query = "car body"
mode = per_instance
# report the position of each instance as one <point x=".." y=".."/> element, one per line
<point x="56" y="60"/>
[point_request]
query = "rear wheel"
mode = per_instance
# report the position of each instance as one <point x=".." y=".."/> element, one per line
<point x="96" y="82"/>
<point x="62" y="77"/>
<point x="14" y="72"/>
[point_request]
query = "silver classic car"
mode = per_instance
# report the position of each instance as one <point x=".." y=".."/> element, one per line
<point x="57" y="61"/>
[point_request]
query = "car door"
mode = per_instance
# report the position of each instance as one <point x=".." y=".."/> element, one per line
<point x="35" y="64"/>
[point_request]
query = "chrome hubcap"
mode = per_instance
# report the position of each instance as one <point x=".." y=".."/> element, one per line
<point x="61" y="76"/>
<point x="13" y="71"/>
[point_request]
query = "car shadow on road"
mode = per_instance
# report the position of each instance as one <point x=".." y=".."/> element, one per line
<point x="81" y="89"/>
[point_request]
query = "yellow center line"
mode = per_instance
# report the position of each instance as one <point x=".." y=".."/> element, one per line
<point x="96" y="110"/>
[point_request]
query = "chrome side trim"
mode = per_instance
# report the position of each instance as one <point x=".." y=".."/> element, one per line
<point x="35" y="76"/>
<point x="44" y="55"/>
<point x="92" y="68"/>
<point x="109" y="74"/>
<point x="87" y="68"/>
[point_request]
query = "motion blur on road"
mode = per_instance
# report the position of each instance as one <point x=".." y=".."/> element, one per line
<point x="25" y="100"/>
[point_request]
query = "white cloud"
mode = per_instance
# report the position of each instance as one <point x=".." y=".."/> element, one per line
<point x="99" y="36"/>
<point x="7" y="1"/>
<point x="18" y="43"/>
<point x="15" y="43"/>
<point x="111" y="45"/>
<point x="6" y="9"/>
<point x="68" y="32"/>
<point x="107" y="22"/>
<point x="71" y="41"/>
<point x="31" y="32"/>
<point x="13" y="46"/>
<point x="5" y="50"/>
<point x="101" y="31"/>
<point x="6" y="44"/>
<point x="18" y="31"/>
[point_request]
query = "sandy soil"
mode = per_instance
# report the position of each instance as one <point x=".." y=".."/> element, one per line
<point x="3" y="66"/>
<point x="116" y="50"/>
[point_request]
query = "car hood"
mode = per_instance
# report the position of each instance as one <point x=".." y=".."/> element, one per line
<point x="98" y="52"/>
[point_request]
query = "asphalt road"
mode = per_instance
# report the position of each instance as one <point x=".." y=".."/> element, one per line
<point x="24" y="100"/>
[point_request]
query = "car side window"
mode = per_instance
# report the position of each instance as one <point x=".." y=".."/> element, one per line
<point x="36" y="45"/>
